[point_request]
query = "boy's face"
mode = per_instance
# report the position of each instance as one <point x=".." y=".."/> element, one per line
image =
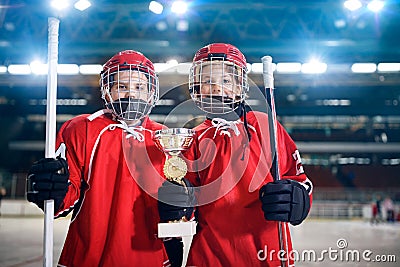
<point x="219" y="79"/>
<point x="131" y="84"/>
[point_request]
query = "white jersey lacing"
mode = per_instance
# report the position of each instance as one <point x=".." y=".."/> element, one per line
<point x="133" y="131"/>
<point x="223" y="126"/>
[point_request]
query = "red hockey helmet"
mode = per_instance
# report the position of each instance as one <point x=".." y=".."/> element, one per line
<point x="126" y="58"/>
<point x="218" y="78"/>
<point x="221" y="51"/>
<point x="127" y="93"/>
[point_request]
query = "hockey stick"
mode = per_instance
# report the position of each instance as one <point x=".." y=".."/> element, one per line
<point x="53" y="25"/>
<point x="268" y="77"/>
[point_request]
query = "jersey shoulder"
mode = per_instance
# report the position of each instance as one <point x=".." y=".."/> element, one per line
<point x="203" y="126"/>
<point x="152" y="125"/>
<point x="81" y="123"/>
<point x="257" y="118"/>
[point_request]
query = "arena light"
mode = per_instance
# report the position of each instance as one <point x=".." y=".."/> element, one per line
<point x="340" y="23"/>
<point x="160" y="67"/>
<point x="248" y="65"/>
<point x="172" y="62"/>
<point x="352" y="5"/>
<point x="289" y="67"/>
<point x="182" y="25"/>
<point x="314" y="67"/>
<point x="170" y="67"/>
<point x="19" y="69"/>
<point x="389" y="67"/>
<point x="258" y="67"/>
<point x="363" y="67"/>
<point x="161" y="26"/>
<point x="156" y="7"/>
<point x="82" y="5"/>
<point x="3" y="69"/>
<point x="39" y="68"/>
<point x="68" y="69"/>
<point x="376" y="5"/>
<point x="179" y="7"/>
<point x="333" y="102"/>
<point x="184" y="68"/>
<point x="392" y="161"/>
<point x="59" y="4"/>
<point x="90" y="69"/>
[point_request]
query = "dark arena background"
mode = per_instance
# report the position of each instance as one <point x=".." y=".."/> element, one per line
<point x="337" y="80"/>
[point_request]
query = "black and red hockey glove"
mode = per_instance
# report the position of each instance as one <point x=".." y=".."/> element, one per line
<point x="48" y="179"/>
<point x="176" y="201"/>
<point x="285" y="200"/>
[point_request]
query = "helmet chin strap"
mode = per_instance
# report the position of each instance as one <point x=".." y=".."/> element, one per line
<point x="242" y="107"/>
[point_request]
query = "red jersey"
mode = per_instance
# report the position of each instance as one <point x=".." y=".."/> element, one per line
<point x="114" y="172"/>
<point x="231" y="228"/>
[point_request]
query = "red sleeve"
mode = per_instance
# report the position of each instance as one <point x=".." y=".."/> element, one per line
<point x="71" y="140"/>
<point x="290" y="165"/>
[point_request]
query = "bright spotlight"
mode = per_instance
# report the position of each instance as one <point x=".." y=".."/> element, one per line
<point x="19" y="69"/>
<point x="288" y="67"/>
<point x="172" y="62"/>
<point x="376" y="5"/>
<point x="156" y="7"/>
<point x="314" y="67"/>
<point x="38" y="68"/>
<point x="179" y="7"/>
<point x="363" y="67"/>
<point x="182" y="25"/>
<point x="352" y="5"/>
<point x="82" y="5"/>
<point x="59" y="4"/>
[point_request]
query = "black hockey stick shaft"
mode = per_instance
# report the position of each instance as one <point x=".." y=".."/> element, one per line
<point x="268" y="77"/>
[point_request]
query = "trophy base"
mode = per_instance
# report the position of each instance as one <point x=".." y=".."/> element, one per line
<point x="176" y="229"/>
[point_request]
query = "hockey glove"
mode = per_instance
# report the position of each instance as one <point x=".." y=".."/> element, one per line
<point x="48" y="179"/>
<point x="175" y="201"/>
<point x="285" y="200"/>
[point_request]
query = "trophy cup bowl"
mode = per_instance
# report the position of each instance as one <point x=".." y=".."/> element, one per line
<point x="172" y="142"/>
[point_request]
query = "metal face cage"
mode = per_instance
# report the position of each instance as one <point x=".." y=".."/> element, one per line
<point x="130" y="91"/>
<point x="217" y="85"/>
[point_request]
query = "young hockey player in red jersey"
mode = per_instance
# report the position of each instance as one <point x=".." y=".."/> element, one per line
<point x="110" y="159"/>
<point x="239" y="205"/>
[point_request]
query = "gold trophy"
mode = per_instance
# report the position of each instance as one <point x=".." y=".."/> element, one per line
<point x="172" y="142"/>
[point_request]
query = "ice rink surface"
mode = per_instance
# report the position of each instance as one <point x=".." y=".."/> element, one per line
<point x="316" y="242"/>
